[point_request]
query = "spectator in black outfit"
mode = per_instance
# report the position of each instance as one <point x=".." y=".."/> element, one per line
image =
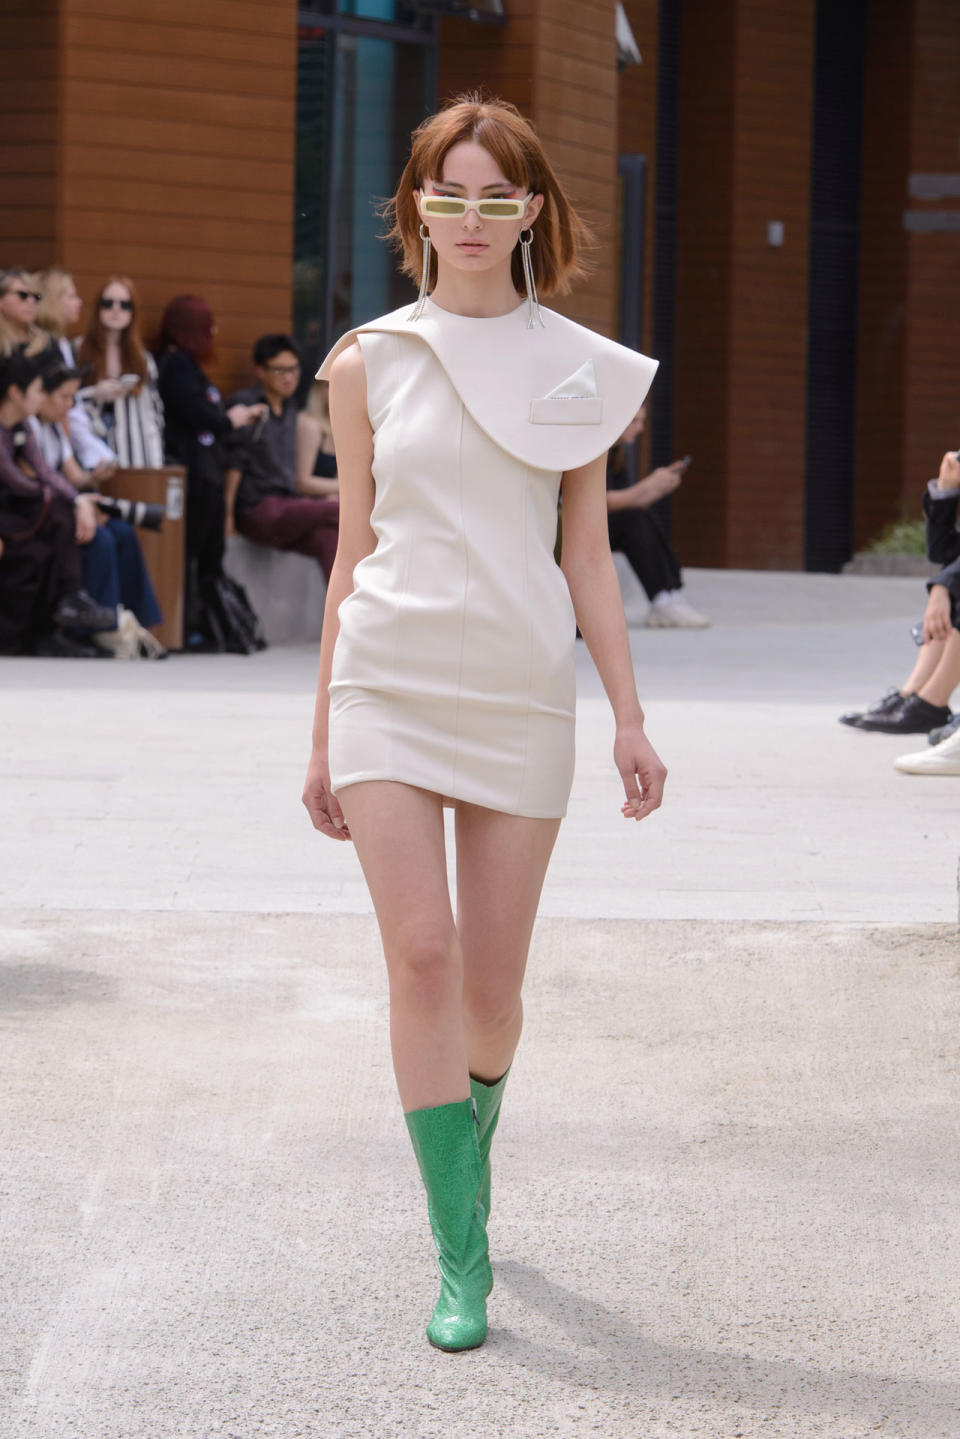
<point x="636" y="533"/>
<point x="42" y="524"/>
<point x="276" y="503"/>
<point x="198" y="431"/>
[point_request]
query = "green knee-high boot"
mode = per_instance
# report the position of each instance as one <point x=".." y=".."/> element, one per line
<point x="487" y="1098"/>
<point x="445" y="1142"/>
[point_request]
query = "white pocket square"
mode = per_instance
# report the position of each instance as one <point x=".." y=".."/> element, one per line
<point x="573" y="402"/>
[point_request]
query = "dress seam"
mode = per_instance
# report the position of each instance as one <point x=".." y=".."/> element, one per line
<point x="526" y="609"/>
<point x="463" y="607"/>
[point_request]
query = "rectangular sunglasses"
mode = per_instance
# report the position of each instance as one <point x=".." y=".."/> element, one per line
<point x="447" y="206"/>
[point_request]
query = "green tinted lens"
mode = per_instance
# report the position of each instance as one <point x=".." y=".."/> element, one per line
<point x="435" y="205"/>
<point x="498" y="209"/>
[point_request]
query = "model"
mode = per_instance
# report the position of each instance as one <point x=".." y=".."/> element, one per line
<point x="447" y="660"/>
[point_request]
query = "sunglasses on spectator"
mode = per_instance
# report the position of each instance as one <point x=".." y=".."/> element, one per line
<point x="283" y="369"/>
<point x="126" y="305"/>
<point x="446" y="206"/>
<point x="24" y="294"/>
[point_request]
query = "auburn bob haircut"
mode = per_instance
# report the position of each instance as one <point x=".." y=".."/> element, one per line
<point x="559" y="235"/>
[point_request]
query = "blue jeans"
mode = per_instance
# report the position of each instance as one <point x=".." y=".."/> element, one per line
<point x="114" y="572"/>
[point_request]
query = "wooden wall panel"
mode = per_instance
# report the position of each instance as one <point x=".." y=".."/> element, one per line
<point x="881" y="350"/>
<point x="769" y="299"/>
<point x="744" y="159"/>
<point x="931" y="418"/>
<point x="177" y="163"/>
<point x="28" y="133"/>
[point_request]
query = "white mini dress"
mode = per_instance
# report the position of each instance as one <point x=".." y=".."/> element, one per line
<point x="453" y="668"/>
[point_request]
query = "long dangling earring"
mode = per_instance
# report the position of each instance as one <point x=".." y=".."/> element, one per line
<point x="424" y="274"/>
<point x="534" y="317"/>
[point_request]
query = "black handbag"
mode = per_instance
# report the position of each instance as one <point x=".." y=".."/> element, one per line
<point x="227" y="620"/>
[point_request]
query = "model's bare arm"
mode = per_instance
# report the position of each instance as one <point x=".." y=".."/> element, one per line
<point x="353" y="438"/>
<point x="588" y="566"/>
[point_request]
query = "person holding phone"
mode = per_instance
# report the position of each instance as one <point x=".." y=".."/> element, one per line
<point x="121" y="392"/>
<point x="635" y="532"/>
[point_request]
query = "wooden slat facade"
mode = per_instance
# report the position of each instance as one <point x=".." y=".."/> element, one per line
<point x="159" y="141"/>
<point x="29" y="99"/>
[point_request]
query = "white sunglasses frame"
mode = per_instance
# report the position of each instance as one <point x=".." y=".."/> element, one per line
<point x="516" y="212"/>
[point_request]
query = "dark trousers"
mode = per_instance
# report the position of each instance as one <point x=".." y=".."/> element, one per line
<point x="302" y="523"/>
<point x="36" y="571"/>
<point x="636" y="534"/>
<point x="206" y="518"/>
<point x="114" y="572"/>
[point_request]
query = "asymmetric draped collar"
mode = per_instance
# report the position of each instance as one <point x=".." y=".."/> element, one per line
<point x="554" y="397"/>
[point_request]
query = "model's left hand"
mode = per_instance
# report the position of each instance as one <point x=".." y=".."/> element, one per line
<point x="642" y="771"/>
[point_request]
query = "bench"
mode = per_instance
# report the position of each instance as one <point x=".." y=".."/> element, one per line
<point x="287" y="590"/>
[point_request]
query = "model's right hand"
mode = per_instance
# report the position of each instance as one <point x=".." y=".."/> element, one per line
<point x="321" y="803"/>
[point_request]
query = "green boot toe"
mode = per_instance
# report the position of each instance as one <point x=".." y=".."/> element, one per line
<point x="444" y="1141"/>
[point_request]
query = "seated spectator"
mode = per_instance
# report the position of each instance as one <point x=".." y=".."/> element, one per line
<point x="114" y="570"/>
<point x="316" y="458"/>
<point x="278" y="502"/>
<point x="19" y="302"/>
<point x="198" y="435"/>
<point x="636" y="533"/>
<point x="60" y="307"/>
<point x="120" y="378"/>
<point x="921" y="705"/>
<point x="43" y="522"/>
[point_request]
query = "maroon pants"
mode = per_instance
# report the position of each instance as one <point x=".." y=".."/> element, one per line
<point x="295" y="522"/>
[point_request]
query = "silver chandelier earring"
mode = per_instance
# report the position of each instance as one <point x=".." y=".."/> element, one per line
<point x="534" y="317"/>
<point x="424" y="274"/>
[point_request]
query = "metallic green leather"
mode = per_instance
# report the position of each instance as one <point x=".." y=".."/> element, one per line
<point x="487" y="1098"/>
<point x="444" y="1140"/>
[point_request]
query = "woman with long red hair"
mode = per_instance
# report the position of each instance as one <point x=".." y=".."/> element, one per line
<point x="447" y="661"/>
<point x="197" y="425"/>
<point x="120" y="392"/>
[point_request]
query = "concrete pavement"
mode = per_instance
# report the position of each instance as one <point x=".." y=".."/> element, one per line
<point x="725" y="1181"/>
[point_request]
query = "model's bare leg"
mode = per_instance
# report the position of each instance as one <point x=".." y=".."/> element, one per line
<point x="928" y="658"/>
<point x="946" y="676"/>
<point x="397" y="831"/>
<point x="501" y="864"/>
<point x="398" y="834"/>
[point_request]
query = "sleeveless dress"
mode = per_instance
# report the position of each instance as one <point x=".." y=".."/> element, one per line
<point x="454" y="664"/>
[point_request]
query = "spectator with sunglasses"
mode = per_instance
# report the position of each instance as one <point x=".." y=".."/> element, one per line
<point x="19" y="303"/>
<point x="122" y="397"/>
<point x="59" y="312"/>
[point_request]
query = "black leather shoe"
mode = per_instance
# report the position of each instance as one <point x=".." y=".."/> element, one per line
<point x="912" y="716"/>
<point x="944" y="731"/>
<point x="58" y="646"/>
<point x="886" y="705"/>
<point x="80" y="612"/>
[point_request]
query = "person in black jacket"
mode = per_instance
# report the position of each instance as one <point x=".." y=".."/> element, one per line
<point x="921" y="705"/>
<point x="198" y="430"/>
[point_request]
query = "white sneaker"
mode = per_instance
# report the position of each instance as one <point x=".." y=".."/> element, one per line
<point x="942" y="758"/>
<point x="674" y="614"/>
